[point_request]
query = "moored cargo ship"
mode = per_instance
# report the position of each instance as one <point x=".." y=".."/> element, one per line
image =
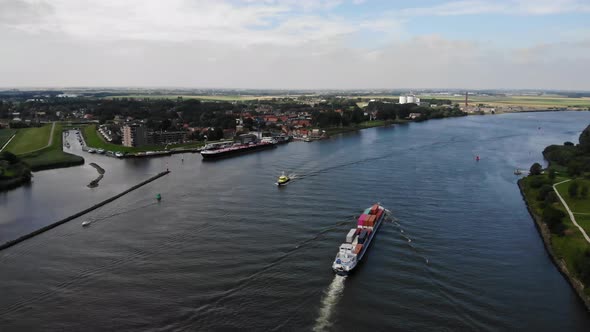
<point x="235" y="149"/>
<point x="358" y="240"/>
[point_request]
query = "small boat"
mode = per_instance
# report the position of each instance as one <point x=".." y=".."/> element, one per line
<point x="307" y="139"/>
<point x="283" y="180"/>
<point x="86" y="223"/>
<point x="517" y="172"/>
<point x="91" y="150"/>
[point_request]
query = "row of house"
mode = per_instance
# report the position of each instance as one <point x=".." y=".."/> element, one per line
<point x="137" y="134"/>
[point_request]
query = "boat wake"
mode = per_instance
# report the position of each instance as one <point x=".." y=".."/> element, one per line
<point x="409" y="240"/>
<point x="331" y="298"/>
<point x="99" y="218"/>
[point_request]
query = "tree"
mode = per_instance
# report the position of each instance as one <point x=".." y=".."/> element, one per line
<point x="552" y="174"/>
<point x="575" y="167"/>
<point x="568" y="144"/>
<point x="553" y="218"/>
<point x="536" y="169"/>
<point x="544" y="191"/>
<point x="550" y="198"/>
<point x="585" y="140"/>
<point x="537" y="182"/>
<point x="10" y="157"/>
<point x="582" y="266"/>
<point x="584" y="191"/>
<point x="572" y="190"/>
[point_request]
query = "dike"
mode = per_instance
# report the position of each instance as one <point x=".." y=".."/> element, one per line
<point x="546" y="236"/>
<point x="81" y="213"/>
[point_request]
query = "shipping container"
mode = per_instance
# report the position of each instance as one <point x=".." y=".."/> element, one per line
<point x="355" y="241"/>
<point x="350" y="235"/>
<point x="374" y="208"/>
<point x="367" y="211"/>
<point x="363" y="236"/>
<point x="358" y="248"/>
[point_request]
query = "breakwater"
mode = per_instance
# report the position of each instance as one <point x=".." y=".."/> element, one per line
<point x="545" y="233"/>
<point x="101" y="171"/>
<point x="81" y="213"/>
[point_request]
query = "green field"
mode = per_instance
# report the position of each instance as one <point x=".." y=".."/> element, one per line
<point x="29" y="139"/>
<point x="524" y="101"/>
<point x="580" y="206"/>
<point x="95" y="140"/>
<point x="5" y="135"/>
<point x="52" y="156"/>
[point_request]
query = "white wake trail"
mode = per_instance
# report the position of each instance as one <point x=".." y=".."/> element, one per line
<point x="331" y="298"/>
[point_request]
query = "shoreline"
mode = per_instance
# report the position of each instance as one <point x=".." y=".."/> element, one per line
<point x="559" y="263"/>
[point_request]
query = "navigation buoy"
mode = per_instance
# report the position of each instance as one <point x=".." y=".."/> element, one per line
<point x="476" y="158"/>
<point x="158" y="197"/>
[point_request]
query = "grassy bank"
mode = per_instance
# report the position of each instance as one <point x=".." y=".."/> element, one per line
<point x="563" y="240"/>
<point x="52" y="156"/>
<point x="94" y="140"/>
<point x="29" y="139"/>
<point x="5" y="135"/>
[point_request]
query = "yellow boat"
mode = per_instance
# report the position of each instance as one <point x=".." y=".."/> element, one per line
<point x="283" y="179"/>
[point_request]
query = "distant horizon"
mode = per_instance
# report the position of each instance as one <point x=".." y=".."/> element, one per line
<point x="380" y="90"/>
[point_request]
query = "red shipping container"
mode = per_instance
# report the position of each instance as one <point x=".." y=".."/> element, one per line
<point x="358" y="248"/>
<point x="374" y="208"/>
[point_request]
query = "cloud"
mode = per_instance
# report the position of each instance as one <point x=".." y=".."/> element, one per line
<point x="422" y="62"/>
<point x="506" y="7"/>
<point x="246" y="22"/>
<point x="272" y="44"/>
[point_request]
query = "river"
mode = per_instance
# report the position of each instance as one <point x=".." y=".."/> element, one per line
<point x="226" y="249"/>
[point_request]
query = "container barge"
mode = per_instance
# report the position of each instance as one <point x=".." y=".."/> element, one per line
<point x="358" y="240"/>
<point x="235" y="149"/>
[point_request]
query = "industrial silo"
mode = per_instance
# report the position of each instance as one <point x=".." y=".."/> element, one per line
<point x="403" y="100"/>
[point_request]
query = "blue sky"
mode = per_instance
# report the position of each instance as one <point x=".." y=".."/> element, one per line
<point x="297" y="43"/>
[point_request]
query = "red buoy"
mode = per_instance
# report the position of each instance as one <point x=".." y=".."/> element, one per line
<point x="476" y="158"/>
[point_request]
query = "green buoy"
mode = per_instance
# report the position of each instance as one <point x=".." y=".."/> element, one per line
<point x="158" y="197"/>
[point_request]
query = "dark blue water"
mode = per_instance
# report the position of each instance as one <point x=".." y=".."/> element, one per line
<point x="226" y="249"/>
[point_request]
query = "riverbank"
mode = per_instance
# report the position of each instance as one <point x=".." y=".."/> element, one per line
<point x="13" y="171"/>
<point x="556" y="248"/>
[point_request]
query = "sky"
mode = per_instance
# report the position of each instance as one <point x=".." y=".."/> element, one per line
<point x="296" y="44"/>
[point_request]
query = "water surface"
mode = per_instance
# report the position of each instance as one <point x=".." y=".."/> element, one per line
<point x="227" y="249"/>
